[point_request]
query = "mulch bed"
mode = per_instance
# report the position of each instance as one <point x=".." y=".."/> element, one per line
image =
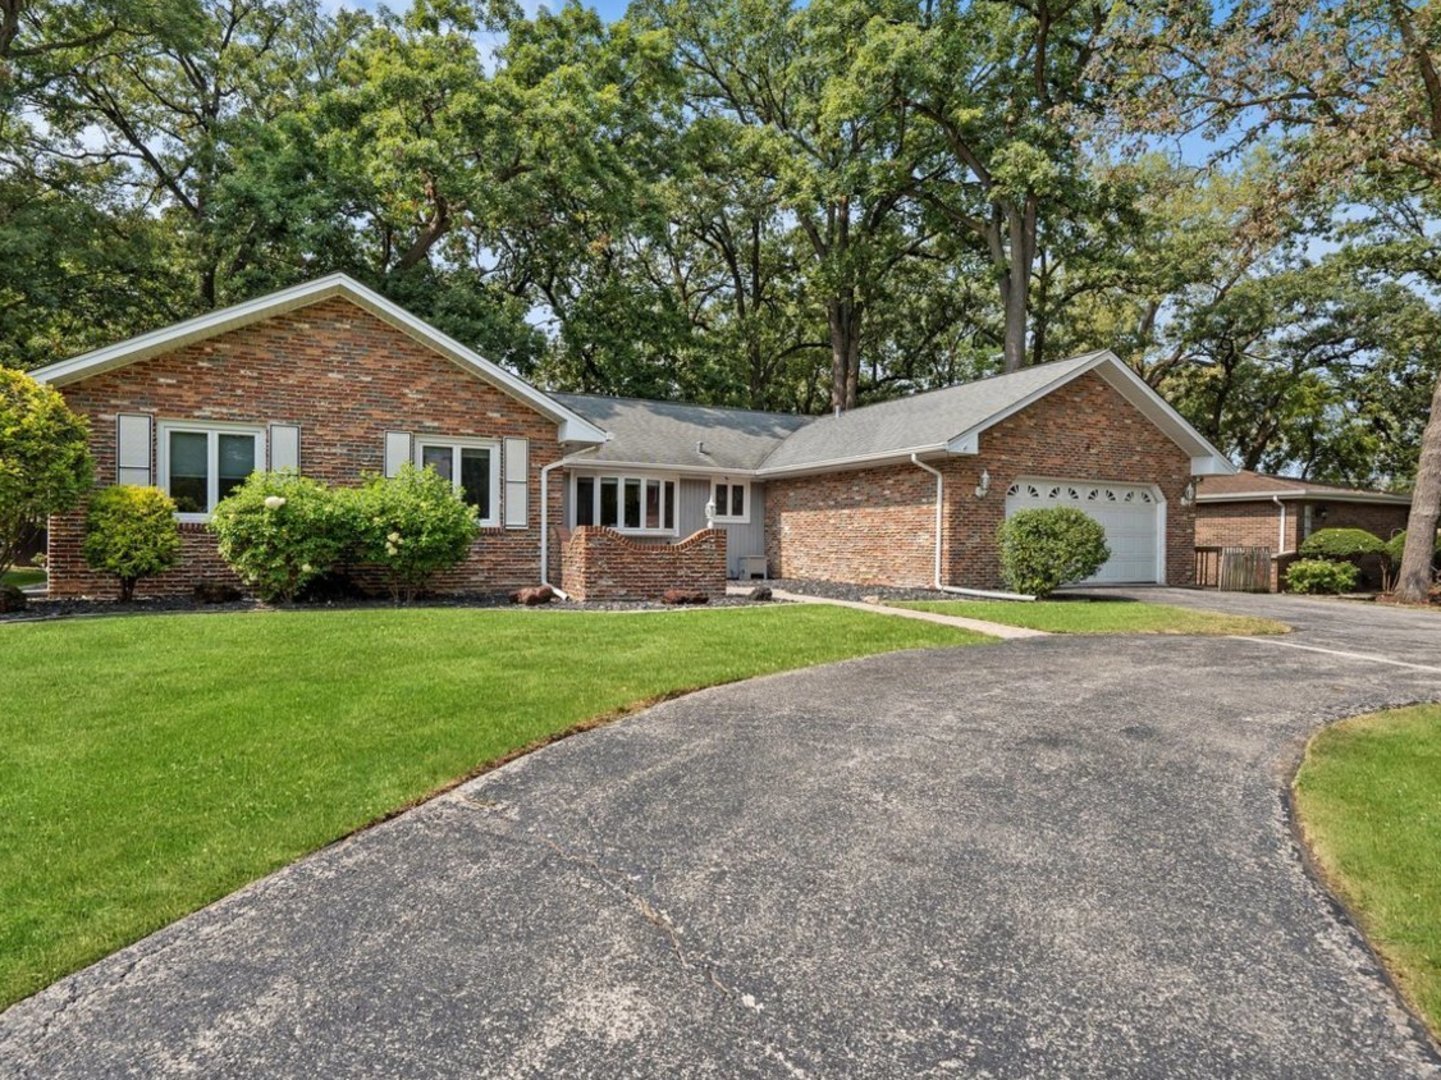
<point x="835" y="590"/>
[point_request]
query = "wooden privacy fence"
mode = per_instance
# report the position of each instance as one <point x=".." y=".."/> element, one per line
<point x="1234" y="569"/>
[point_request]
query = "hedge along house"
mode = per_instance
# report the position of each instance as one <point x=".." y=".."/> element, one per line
<point x="617" y="497"/>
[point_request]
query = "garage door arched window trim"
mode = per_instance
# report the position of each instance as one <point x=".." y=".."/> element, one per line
<point x="1097" y="494"/>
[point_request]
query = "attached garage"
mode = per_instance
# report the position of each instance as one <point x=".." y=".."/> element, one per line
<point x="1133" y="516"/>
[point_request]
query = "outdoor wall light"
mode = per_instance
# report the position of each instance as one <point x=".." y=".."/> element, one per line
<point x="1188" y="493"/>
<point x="985" y="484"/>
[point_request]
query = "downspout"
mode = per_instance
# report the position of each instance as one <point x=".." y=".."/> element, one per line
<point x="545" y="517"/>
<point x="989" y="594"/>
<point x="1281" y="535"/>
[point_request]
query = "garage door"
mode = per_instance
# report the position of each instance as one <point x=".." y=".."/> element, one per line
<point x="1129" y="513"/>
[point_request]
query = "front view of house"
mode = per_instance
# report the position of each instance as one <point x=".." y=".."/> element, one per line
<point x="617" y="497"/>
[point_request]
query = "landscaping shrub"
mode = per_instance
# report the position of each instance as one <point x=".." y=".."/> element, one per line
<point x="1322" y="576"/>
<point x="1041" y="550"/>
<point x="280" y="530"/>
<point x="1342" y="544"/>
<point x="45" y="464"/>
<point x="130" y="532"/>
<point x="1397" y="544"/>
<point x="411" y="526"/>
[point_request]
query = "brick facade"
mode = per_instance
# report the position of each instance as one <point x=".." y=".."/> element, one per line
<point x="601" y="564"/>
<point x="345" y="377"/>
<point x="1257" y="523"/>
<point x="876" y="526"/>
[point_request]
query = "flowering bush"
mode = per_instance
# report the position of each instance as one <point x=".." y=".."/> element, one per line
<point x="412" y="525"/>
<point x="1322" y="576"/>
<point x="279" y="530"/>
<point x="130" y="532"/>
<point x="1041" y="550"/>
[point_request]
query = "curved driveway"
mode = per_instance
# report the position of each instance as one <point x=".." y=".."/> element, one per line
<point x="1060" y="857"/>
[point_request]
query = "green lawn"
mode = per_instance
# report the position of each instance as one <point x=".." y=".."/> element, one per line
<point x="1369" y="798"/>
<point x="151" y="764"/>
<point x="22" y="576"/>
<point x="1077" y="616"/>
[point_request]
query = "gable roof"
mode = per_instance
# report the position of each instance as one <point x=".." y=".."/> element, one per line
<point x="697" y="438"/>
<point x="573" y="427"/>
<point x="953" y="419"/>
<point x="1247" y="485"/>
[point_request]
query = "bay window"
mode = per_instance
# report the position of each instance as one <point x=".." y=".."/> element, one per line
<point x="638" y="504"/>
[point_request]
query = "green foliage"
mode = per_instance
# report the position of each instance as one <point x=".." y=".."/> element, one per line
<point x="1322" y="576"/>
<point x="279" y="530"/>
<point x="45" y="464"/>
<point x="1342" y="544"/>
<point x="412" y="525"/>
<point x="1041" y="550"/>
<point x="130" y="532"/>
<point x="1396" y="546"/>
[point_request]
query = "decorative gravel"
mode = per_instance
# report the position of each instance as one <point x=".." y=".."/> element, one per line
<point x="835" y="590"/>
<point x="69" y="608"/>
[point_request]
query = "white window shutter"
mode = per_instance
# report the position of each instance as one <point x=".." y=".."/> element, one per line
<point x="132" y="449"/>
<point x="284" y="446"/>
<point x="397" y="451"/>
<point x="517" y="487"/>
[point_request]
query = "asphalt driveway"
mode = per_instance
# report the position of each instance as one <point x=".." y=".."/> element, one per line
<point x="1058" y="857"/>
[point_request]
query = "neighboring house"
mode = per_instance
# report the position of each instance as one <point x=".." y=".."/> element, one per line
<point x="617" y="496"/>
<point x="1277" y="513"/>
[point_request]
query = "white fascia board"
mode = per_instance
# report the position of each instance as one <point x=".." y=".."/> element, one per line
<point x="601" y="465"/>
<point x="858" y="461"/>
<point x="1383" y="497"/>
<point x="1206" y="460"/>
<point x="573" y="427"/>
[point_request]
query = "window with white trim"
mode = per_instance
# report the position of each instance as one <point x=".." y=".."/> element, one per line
<point x="202" y="463"/>
<point x="636" y="504"/>
<point x="472" y="466"/>
<point x="732" y="500"/>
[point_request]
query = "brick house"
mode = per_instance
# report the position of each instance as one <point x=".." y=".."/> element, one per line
<point x="611" y="497"/>
<point x="1277" y="513"/>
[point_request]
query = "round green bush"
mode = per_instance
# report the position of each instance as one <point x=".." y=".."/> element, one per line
<point x="1396" y="546"/>
<point x="1342" y="544"/>
<point x="1322" y="576"/>
<point x="412" y="525"/>
<point x="130" y="532"/>
<point x="45" y="464"/>
<point x="280" y="530"/>
<point x="1041" y="550"/>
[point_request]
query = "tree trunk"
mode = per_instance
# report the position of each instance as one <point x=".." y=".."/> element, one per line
<point x="1016" y="285"/>
<point x="1413" y="583"/>
<point x="127" y="589"/>
<point x="844" y="316"/>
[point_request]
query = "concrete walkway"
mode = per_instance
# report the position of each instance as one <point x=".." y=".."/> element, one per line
<point x="979" y="626"/>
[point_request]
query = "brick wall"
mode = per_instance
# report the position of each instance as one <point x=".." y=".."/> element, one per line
<point x="876" y="526"/>
<point x="345" y="377"/>
<point x="600" y="564"/>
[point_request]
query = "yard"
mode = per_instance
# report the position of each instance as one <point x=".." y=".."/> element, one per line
<point x="1369" y="798"/>
<point x="1086" y="616"/>
<point x="23" y="576"/>
<point x="152" y="764"/>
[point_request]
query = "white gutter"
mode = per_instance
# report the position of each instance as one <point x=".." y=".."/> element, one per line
<point x="988" y="594"/>
<point x="1281" y="534"/>
<point x="545" y="518"/>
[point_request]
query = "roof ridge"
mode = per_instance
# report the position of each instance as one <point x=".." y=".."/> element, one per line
<point x="683" y="404"/>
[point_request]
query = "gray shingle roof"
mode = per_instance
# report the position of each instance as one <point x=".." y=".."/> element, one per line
<point x="667" y="433"/>
<point x="921" y="421"/>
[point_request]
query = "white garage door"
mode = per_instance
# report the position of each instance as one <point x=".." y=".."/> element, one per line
<point x="1129" y="513"/>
